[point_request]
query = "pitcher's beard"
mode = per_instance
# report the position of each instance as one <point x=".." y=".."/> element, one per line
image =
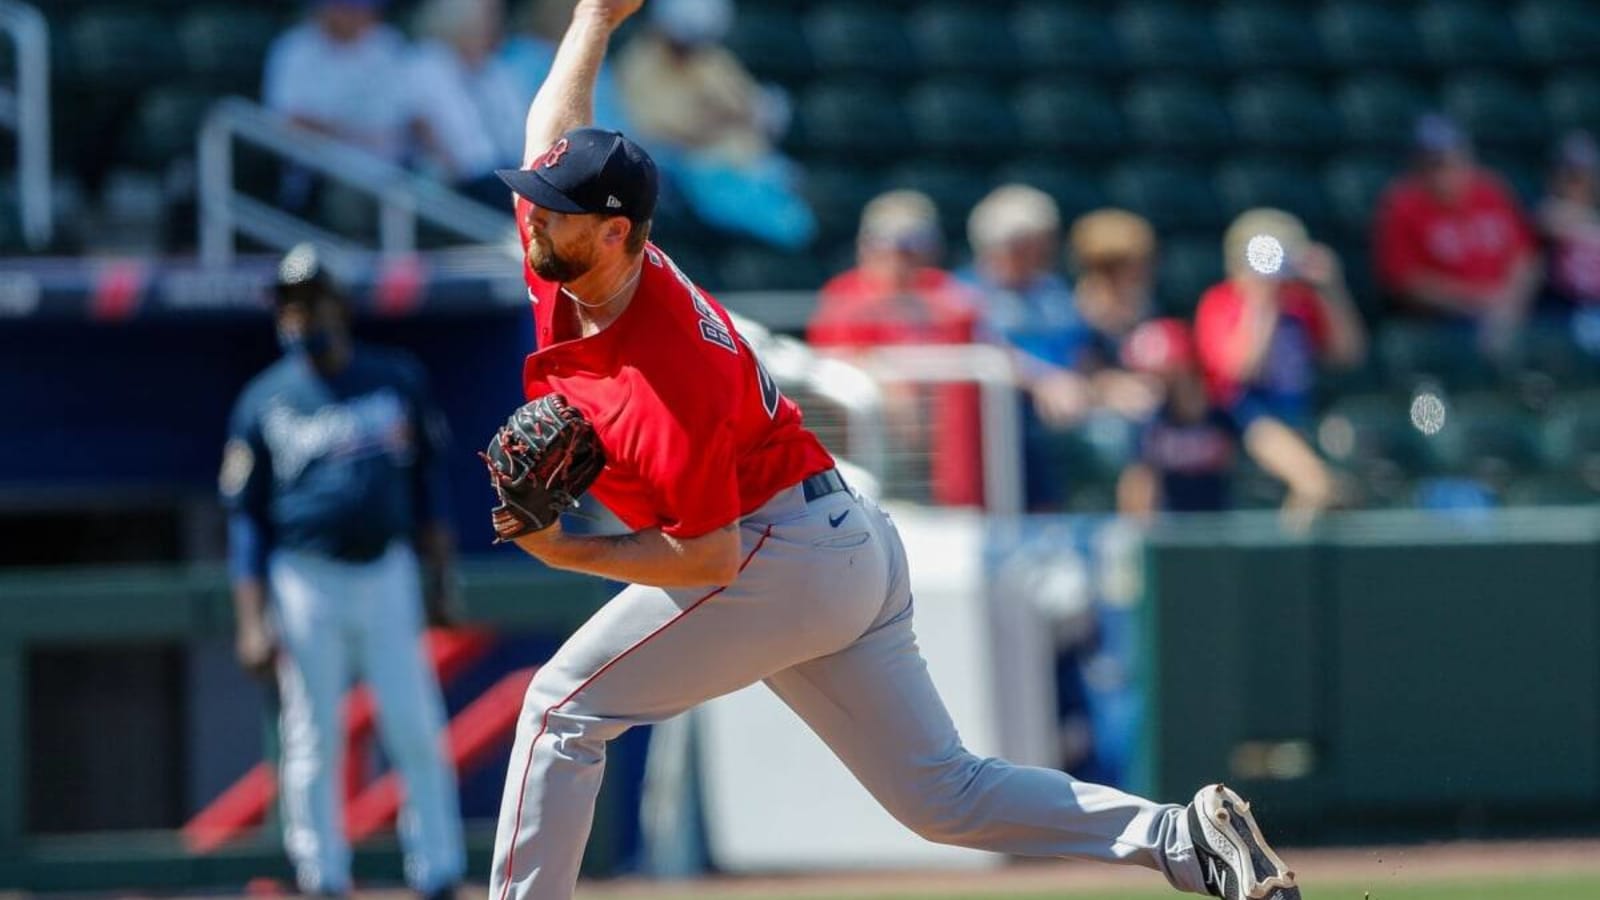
<point x="552" y="266"/>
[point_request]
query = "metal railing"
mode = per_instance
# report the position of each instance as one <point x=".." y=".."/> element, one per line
<point x="25" y="111"/>
<point x="403" y="198"/>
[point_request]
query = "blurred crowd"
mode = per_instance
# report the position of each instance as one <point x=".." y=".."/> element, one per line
<point x="451" y="104"/>
<point x="1453" y="247"/>
<point x="1183" y="400"/>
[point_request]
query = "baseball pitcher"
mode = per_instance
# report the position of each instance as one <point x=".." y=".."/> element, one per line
<point x="750" y="558"/>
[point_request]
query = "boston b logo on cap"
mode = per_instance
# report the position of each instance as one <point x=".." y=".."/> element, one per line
<point x="590" y="170"/>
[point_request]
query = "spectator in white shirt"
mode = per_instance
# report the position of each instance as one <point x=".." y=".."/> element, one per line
<point x="466" y="100"/>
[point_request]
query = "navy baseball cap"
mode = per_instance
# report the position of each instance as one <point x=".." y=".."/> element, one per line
<point x="590" y="170"/>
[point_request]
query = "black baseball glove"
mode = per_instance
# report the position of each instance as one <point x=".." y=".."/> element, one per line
<point x="540" y="462"/>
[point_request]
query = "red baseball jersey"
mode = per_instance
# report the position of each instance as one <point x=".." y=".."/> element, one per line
<point x="695" y="431"/>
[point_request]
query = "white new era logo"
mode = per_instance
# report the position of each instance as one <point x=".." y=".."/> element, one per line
<point x="612" y="202"/>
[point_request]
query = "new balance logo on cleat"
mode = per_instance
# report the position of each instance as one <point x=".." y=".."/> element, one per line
<point x="1235" y="861"/>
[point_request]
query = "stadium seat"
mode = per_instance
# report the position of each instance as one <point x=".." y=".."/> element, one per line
<point x="1353" y="185"/>
<point x="954" y="188"/>
<point x="962" y="38"/>
<point x="1170" y="195"/>
<point x="859" y="38"/>
<point x="753" y="268"/>
<point x="1368" y="33"/>
<point x="849" y="119"/>
<point x="1414" y="354"/>
<point x="772" y="42"/>
<point x="166" y="124"/>
<point x="836" y="194"/>
<point x="1379" y="111"/>
<point x="122" y="50"/>
<point x="1077" y="117"/>
<point x="1257" y="34"/>
<point x="1189" y="265"/>
<point x="227" y="46"/>
<point x="1570" y="437"/>
<point x="1281" y="114"/>
<point x="1167" y="36"/>
<point x="1573" y="101"/>
<point x="1054" y="36"/>
<point x="1371" y="437"/>
<point x="1075" y="192"/>
<point x="1551" y="489"/>
<point x="1496" y="111"/>
<point x="1245" y="183"/>
<point x="960" y="118"/>
<point x="1458" y="33"/>
<point x="1559" y="32"/>
<point x="1177" y="115"/>
<point x="1486" y="437"/>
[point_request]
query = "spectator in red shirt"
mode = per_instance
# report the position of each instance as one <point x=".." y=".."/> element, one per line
<point x="1283" y="309"/>
<point x="1569" y="221"/>
<point x="897" y="295"/>
<point x="1451" y="240"/>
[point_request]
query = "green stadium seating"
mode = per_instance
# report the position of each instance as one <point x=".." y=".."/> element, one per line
<point x="1170" y="36"/>
<point x="1353" y="185"/>
<point x="1379" y="110"/>
<point x="1073" y="116"/>
<point x="1496" y="110"/>
<point x="225" y="46"/>
<point x="751" y="268"/>
<point x="1170" y="195"/>
<point x="1053" y="36"/>
<point x="1414" y="354"/>
<point x="1371" y="436"/>
<point x="960" y="118"/>
<point x="1259" y="34"/>
<point x="1167" y="113"/>
<point x="1360" y="34"/>
<point x="1486" y="436"/>
<point x="1285" y="115"/>
<point x="772" y="43"/>
<point x="1245" y="183"/>
<point x="836" y="194"/>
<point x="849" y="119"/>
<point x="1559" y="32"/>
<point x="121" y="50"/>
<point x="1458" y="33"/>
<point x="954" y="188"/>
<point x="1189" y="265"/>
<point x="858" y="38"/>
<point x="1573" y="101"/>
<point x="1550" y="489"/>
<point x="1075" y="192"/>
<point x="963" y="38"/>
<point x="166" y="124"/>
<point x="1570" y="437"/>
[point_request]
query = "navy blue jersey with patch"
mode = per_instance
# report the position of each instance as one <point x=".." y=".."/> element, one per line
<point x="1192" y="460"/>
<point x="338" y="465"/>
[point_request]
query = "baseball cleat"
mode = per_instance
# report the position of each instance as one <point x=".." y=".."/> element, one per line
<point x="1234" y="858"/>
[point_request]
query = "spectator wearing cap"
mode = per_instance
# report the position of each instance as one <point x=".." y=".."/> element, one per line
<point x="711" y="126"/>
<point x="1569" y="222"/>
<point x="531" y="49"/>
<point x="1113" y="255"/>
<point x="1451" y="240"/>
<point x="1283" y="309"/>
<point x="1186" y="452"/>
<point x="466" y="100"/>
<point x="897" y="295"/>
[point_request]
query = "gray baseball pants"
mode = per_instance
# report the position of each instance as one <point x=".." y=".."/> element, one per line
<point x="821" y="612"/>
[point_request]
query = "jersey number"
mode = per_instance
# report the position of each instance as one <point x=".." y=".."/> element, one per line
<point x="769" y="387"/>
<point x="713" y="330"/>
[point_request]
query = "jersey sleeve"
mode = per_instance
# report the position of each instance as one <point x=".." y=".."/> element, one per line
<point x="1397" y="242"/>
<point x="245" y="486"/>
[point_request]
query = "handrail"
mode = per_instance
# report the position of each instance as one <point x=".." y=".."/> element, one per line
<point x="403" y="197"/>
<point x="27" y="113"/>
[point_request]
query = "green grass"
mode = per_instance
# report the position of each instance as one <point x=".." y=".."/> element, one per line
<point x="1574" y="887"/>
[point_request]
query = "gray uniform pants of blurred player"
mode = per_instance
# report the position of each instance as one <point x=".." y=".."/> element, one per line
<point x="330" y="614"/>
<point x="823" y="615"/>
